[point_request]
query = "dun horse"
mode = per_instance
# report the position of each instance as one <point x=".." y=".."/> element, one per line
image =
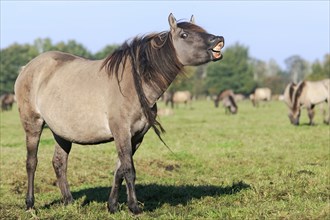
<point x="260" y="94"/>
<point x="288" y="94"/>
<point x="181" y="97"/>
<point x="95" y="101"/>
<point x="308" y="94"/>
<point x="227" y="97"/>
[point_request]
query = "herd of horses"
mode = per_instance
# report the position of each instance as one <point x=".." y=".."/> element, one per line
<point x="305" y="94"/>
<point x="122" y="91"/>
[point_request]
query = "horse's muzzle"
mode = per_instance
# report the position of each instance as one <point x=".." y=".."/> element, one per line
<point x="218" y="42"/>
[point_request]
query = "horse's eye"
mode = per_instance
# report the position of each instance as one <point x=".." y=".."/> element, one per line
<point x="184" y="35"/>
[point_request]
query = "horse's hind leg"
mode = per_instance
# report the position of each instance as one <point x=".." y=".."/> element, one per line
<point x="326" y="113"/>
<point x="60" y="161"/>
<point x="32" y="125"/>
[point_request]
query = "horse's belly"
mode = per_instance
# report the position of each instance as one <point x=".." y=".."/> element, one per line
<point x="83" y="132"/>
<point x="86" y="127"/>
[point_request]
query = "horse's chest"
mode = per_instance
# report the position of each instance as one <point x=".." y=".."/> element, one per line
<point x="140" y="127"/>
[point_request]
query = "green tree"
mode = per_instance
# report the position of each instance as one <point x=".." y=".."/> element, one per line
<point x="298" y="68"/>
<point x="74" y="48"/>
<point x="12" y="59"/>
<point x="43" y="44"/>
<point x="109" y="49"/>
<point x="234" y="72"/>
<point x="320" y="70"/>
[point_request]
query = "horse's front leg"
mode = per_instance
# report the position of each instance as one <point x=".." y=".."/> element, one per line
<point x="125" y="169"/>
<point x="326" y="114"/>
<point x="117" y="181"/>
<point x="311" y="114"/>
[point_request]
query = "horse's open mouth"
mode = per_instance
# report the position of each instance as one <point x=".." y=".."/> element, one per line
<point x="216" y="51"/>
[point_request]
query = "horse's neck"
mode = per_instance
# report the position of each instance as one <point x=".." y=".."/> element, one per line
<point x="153" y="93"/>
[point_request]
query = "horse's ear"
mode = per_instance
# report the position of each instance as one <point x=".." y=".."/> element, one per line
<point x="172" y="21"/>
<point x="192" y="19"/>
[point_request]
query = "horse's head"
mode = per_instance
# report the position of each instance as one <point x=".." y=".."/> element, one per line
<point x="233" y="109"/>
<point x="294" y="117"/>
<point x="193" y="45"/>
<point x="288" y="94"/>
<point x="298" y="92"/>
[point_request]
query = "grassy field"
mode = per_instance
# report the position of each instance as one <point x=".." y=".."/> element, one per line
<point x="254" y="165"/>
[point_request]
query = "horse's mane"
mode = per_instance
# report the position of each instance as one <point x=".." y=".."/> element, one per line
<point x="232" y="100"/>
<point x="296" y="96"/>
<point x="291" y="90"/>
<point x="154" y="61"/>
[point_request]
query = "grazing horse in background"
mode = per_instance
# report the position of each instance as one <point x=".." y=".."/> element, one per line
<point x="288" y="94"/>
<point x="308" y="94"/>
<point x="167" y="97"/>
<point x="95" y="101"/>
<point x="181" y="97"/>
<point x="7" y="100"/>
<point x="227" y="97"/>
<point x="260" y="94"/>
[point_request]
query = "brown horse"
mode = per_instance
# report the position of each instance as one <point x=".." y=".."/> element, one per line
<point x="94" y="101"/>
<point x="227" y="97"/>
<point x="307" y="94"/>
<point x="7" y="100"/>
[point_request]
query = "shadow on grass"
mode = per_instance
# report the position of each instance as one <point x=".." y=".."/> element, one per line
<point x="154" y="196"/>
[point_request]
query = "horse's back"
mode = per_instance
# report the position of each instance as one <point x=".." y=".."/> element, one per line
<point x="263" y="94"/>
<point x="68" y="93"/>
<point x="326" y="83"/>
<point x="181" y="96"/>
<point x="40" y="69"/>
<point x="318" y="91"/>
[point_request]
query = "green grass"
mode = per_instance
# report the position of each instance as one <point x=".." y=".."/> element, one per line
<point x="254" y="165"/>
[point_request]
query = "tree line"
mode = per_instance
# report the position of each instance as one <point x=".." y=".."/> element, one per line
<point x="237" y="71"/>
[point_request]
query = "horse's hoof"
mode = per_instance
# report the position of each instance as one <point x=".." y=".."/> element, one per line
<point x="29" y="203"/>
<point x="68" y="200"/>
<point x="135" y="209"/>
<point x="112" y="208"/>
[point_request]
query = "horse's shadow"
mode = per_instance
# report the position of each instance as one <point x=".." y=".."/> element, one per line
<point x="154" y="195"/>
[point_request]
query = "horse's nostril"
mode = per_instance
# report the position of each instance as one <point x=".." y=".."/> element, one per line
<point x="212" y="39"/>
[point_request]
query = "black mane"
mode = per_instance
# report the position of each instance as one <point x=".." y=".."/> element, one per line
<point x="154" y="62"/>
<point x="297" y="95"/>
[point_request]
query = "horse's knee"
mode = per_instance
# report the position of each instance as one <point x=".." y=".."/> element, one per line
<point x="31" y="164"/>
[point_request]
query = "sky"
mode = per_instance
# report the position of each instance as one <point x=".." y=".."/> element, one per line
<point x="270" y="29"/>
